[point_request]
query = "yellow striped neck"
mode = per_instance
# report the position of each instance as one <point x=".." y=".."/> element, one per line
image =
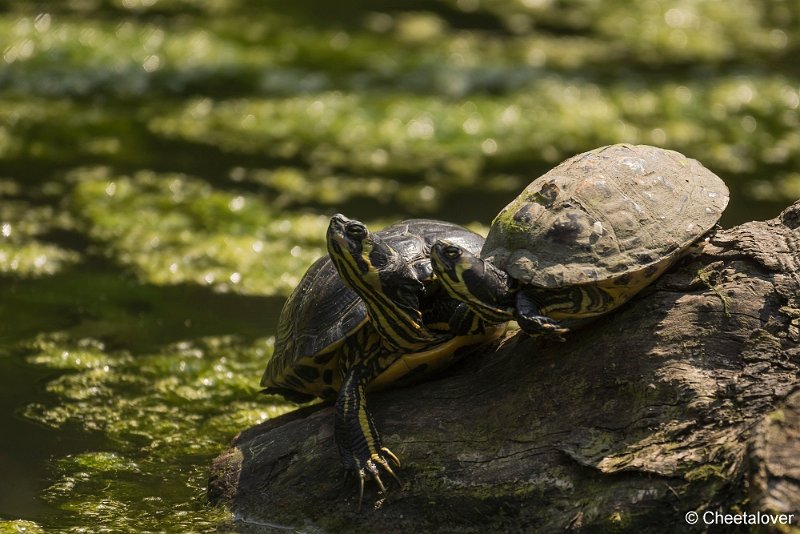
<point x="459" y="290"/>
<point x="400" y="327"/>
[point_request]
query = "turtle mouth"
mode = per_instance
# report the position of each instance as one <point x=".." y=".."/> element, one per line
<point x="337" y="243"/>
<point x="337" y="224"/>
<point x="337" y="229"/>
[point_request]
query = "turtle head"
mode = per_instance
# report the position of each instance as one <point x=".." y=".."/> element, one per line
<point x="451" y="261"/>
<point x="360" y="256"/>
<point x="380" y="275"/>
<point x="348" y="240"/>
<point x="487" y="290"/>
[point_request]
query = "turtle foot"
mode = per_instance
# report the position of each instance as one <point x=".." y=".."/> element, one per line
<point x="372" y="467"/>
<point x="357" y="438"/>
<point x="539" y="325"/>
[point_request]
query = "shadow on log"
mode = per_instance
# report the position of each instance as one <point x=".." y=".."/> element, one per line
<point x="687" y="398"/>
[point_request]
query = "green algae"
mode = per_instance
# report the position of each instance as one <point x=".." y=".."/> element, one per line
<point x="161" y="413"/>
<point x="450" y="144"/>
<point x="23" y="252"/>
<point x="60" y="55"/>
<point x="778" y="416"/>
<point x="33" y="258"/>
<point x="20" y="527"/>
<point x="706" y="472"/>
<point x="175" y="228"/>
<point x="205" y="47"/>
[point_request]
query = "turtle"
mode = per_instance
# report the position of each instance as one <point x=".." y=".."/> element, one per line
<point x="584" y="238"/>
<point x="369" y="315"/>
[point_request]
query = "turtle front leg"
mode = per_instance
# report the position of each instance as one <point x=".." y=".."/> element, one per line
<point x="357" y="438"/>
<point x="532" y="322"/>
<point x="464" y="321"/>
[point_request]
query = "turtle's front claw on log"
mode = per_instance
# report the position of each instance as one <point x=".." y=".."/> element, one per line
<point x="538" y="325"/>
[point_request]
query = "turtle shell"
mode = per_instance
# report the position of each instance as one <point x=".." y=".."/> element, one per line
<point x="603" y="214"/>
<point x="322" y="312"/>
<point x="319" y="315"/>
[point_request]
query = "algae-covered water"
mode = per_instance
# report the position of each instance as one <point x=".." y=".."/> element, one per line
<point x="167" y="168"/>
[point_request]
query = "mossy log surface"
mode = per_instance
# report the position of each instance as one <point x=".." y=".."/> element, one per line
<point x="687" y="398"/>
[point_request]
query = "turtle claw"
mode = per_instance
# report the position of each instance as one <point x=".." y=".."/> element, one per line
<point x="361" y="479"/>
<point x="371" y="469"/>
<point x="357" y="439"/>
<point x="539" y="325"/>
<point x="385" y="464"/>
<point x="392" y="457"/>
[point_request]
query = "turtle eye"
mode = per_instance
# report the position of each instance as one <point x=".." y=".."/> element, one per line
<point x="452" y="252"/>
<point x="357" y="231"/>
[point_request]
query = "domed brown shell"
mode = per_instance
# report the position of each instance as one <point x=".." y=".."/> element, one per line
<point x="603" y="214"/>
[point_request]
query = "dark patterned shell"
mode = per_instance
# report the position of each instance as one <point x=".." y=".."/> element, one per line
<point x="322" y="312"/>
<point x="413" y="239"/>
<point x="605" y="213"/>
<point x="319" y="314"/>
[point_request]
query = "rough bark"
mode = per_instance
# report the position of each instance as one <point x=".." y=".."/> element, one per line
<point x="687" y="398"/>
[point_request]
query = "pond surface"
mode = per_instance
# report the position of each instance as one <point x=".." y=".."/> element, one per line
<point x="167" y="169"/>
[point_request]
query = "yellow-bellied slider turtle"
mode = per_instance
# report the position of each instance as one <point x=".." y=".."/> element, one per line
<point x="380" y="319"/>
<point x="585" y="237"/>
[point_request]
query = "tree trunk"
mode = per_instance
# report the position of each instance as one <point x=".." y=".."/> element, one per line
<point x="685" y="399"/>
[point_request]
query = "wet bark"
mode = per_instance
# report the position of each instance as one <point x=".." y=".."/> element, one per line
<point x="687" y="398"/>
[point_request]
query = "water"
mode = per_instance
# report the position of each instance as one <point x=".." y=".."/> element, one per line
<point x="167" y="169"/>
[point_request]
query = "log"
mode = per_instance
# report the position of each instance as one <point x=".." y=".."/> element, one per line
<point x="685" y="399"/>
